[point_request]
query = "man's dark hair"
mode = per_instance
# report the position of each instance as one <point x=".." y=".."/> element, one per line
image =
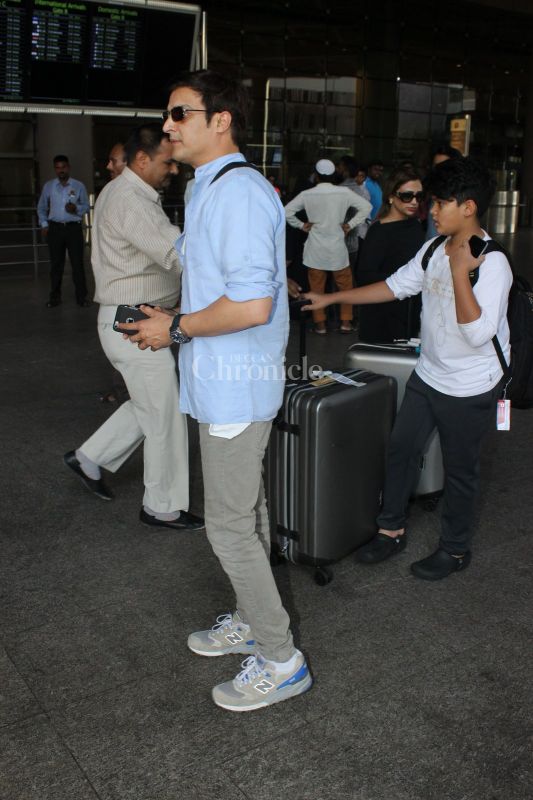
<point x="59" y="158"/>
<point x="446" y="150"/>
<point x="325" y="178"/>
<point x="147" y="138"/>
<point x="376" y="162"/>
<point x="350" y="165"/>
<point x="120" y="144"/>
<point x="219" y="93"/>
<point x="462" y="179"/>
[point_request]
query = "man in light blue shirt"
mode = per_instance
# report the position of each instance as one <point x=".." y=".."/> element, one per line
<point x="61" y="207"/>
<point x="233" y="332"/>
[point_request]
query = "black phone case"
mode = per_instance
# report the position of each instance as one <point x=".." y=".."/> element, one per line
<point x="127" y="314"/>
<point x="477" y="245"/>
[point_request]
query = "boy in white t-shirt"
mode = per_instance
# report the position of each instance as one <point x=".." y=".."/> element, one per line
<point x="458" y="378"/>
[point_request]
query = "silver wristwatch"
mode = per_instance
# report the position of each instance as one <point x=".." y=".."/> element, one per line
<point x="176" y="334"/>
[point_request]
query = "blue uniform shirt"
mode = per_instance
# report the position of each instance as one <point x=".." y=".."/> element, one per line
<point x="55" y="196"/>
<point x="376" y="196"/>
<point x="234" y="245"/>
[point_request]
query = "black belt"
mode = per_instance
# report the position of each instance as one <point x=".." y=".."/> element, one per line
<point x="53" y="222"/>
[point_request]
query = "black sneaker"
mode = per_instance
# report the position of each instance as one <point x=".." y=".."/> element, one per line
<point x="380" y="548"/>
<point x="439" y="565"/>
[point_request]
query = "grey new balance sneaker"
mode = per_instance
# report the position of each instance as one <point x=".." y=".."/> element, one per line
<point x="229" y="634"/>
<point x="259" y="685"/>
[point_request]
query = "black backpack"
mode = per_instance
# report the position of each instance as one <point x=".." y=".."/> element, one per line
<point x="519" y="376"/>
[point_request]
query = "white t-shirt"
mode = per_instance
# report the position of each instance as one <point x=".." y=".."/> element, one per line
<point x="326" y="206"/>
<point x="458" y="360"/>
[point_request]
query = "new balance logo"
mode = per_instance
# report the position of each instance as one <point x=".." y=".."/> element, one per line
<point x="234" y="638"/>
<point x="264" y="686"/>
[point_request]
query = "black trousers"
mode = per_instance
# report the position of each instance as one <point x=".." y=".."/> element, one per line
<point x="62" y="238"/>
<point x="461" y="422"/>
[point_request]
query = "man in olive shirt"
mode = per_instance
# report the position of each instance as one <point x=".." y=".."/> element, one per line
<point x="134" y="261"/>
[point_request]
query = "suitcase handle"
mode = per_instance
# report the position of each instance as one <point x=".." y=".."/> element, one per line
<point x="298" y="305"/>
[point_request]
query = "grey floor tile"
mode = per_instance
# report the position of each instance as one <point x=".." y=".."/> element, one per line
<point x="139" y="741"/>
<point x="35" y="765"/>
<point x="25" y="607"/>
<point x="407" y="625"/>
<point x="16" y="700"/>
<point x="93" y="652"/>
<point x="440" y="735"/>
<point x="500" y="584"/>
<point x="117" y="563"/>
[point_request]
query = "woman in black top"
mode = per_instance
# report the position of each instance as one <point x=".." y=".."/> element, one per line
<point x="392" y="240"/>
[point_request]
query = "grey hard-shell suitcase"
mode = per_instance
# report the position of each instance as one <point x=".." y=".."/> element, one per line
<point x="399" y="360"/>
<point x="325" y="465"/>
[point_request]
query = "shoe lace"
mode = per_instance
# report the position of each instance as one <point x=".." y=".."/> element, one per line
<point x="253" y="667"/>
<point x="223" y="621"/>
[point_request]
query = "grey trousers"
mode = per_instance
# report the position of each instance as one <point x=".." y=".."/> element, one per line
<point x="236" y="521"/>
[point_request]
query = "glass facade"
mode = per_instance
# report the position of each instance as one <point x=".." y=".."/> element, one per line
<point x="378" y="79"/>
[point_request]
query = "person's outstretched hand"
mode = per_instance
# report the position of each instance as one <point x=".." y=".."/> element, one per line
<point x="316" y="301"/>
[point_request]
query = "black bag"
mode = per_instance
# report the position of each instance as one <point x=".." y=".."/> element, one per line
<point x="520" y="317"/>
<point x="519" y="375"/>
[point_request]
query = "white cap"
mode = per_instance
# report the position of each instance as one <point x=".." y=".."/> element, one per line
<point x="325" y="167"/>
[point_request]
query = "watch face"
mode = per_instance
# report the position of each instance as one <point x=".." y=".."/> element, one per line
<point x="178" y="336"/>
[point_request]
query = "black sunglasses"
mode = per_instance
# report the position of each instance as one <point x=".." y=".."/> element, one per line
<point x="408" y="197"/>
<point x="178" y="113"/>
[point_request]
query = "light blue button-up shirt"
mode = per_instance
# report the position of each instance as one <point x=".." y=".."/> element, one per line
<point x="234" y="245"/>
<point x="55" y="196"/>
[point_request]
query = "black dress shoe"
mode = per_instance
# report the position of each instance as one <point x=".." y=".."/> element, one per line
<point x="96" y="487"/>
<point x="52" y="303"/>
<point x="380" y="548"/>
<point x="185" y="521"/>
<point x="439" y="565"/>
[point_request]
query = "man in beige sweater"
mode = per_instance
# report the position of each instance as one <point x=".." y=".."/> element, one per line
<point x="134" y="261"/>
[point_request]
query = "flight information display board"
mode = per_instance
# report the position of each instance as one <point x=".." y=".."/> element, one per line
<point x="91" y="53"/>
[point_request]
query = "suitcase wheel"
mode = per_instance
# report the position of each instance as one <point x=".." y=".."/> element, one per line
<point x="323" y="576"/>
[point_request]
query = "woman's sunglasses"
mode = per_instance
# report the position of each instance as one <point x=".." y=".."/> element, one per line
<point x="178" y="113"/>
<point x="408" y="197"/>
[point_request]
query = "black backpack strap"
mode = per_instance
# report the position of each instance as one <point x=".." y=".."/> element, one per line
<point x="426" y="258"/>
<point x="232" y="165"/>
<point x="495" y="247"/>
<point x="501" y="358"/>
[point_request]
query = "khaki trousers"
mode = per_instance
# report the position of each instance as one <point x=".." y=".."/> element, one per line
<point x="343" y="281"/>
<point x="151" y="415"/>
